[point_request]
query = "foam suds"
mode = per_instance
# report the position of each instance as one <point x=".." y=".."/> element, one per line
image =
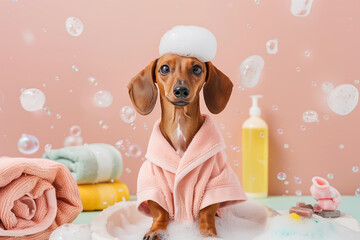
<point x="245" y="221"/>
<point x="231" y="227"/>
<point x="316" y="228"/>
<point x="189" y="41"/>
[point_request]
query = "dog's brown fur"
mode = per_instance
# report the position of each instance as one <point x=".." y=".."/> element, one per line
<point x="179" y="124"/>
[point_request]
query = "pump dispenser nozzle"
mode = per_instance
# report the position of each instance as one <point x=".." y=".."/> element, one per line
<point x="255" y="110"/>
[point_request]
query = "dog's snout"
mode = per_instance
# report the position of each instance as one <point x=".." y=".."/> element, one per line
<point x="181" y="91"/>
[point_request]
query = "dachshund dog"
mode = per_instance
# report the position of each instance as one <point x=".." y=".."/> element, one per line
<point x="179" y="81"/>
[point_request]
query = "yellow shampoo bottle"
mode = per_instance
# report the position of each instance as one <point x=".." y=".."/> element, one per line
<point x="255" y="158"/>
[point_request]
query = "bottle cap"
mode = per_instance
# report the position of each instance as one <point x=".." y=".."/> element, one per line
<point x="255" y="110"/>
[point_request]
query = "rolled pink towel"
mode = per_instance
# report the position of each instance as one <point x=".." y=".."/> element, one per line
<point x="36" y="196"/>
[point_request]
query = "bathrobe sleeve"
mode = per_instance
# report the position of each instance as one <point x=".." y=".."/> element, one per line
<point x="150" y="186"/>
<point x="223" y="186"/>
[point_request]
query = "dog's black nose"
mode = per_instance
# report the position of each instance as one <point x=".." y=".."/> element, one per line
<point x="181" y="91"/>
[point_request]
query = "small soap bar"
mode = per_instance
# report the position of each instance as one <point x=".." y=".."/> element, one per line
<point x="304" y="212"/>
<point x="317" y="208"/>
<point x="329" y="214"/>
<point x="300" y="204"/>
<point x="304" y="205"/>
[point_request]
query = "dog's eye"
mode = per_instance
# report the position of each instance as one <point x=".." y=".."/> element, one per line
<point x="197" y="70"/>
<point x="164" y="70"/>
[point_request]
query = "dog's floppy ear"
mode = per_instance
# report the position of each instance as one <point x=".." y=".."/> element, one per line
<point x="142" y="89"/>
<point x="217" y="89"/>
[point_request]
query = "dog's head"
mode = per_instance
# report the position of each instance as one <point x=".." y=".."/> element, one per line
<point x="179" y="80"/>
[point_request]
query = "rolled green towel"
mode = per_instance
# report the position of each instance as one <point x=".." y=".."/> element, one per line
<point x="89" y="164"/>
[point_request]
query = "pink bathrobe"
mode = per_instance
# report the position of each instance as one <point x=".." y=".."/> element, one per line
<point x="185" y="185"/>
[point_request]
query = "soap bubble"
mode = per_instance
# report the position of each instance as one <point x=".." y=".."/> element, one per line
<point x="286" y="183"/>
<point x="58" y="116"/>
<point x="286" y="145"/>
<point x="47" y="110"/>
<point x="47" y="147"/>
<point x="281" y="176"/>
<point x="357" y="192"/>
<point x="326" y="117"/>
<point x="75" y="68"/>
<point x="280" y="131"/>
<point x="303" y="128"/>
<point x="330" y="176"/>
<point x="341" y="146"/>
<point x="272" y="46"/>
<point x="71" y="231"/>
<point x="310" y="116"/>
<point x="28" y="144"/>
<point x="103" y="99"/>
<point x="57" y="78"/>
<point x="257" y="1"/>
<point x="355" y="169"/>
<point x="93" y="81"/>
<point x="275" y="107"/>
<point x="103" y="124"/>
<point x="119" y="144"/>
<point x="298" y="180"/>
<point x="327" y="87"/>
<point x="343" y="99"/>
<point x="128" y="170"/>
<point x="133" y="126"/>
<point x="74" y="26"/>
<point x="32" y="99"/>
<point x="262" y="135"/>
<point x="356" y="81"/>
<point x="313" y="83"/>
<point x="250" y="70"/>
<point x="298" y="69"/>
<point x="75" y="131"/>
<point x="300" y="8"/>
<point x="134" y="151"/>
<point x="229" y="135"/>
<point x="235" y="148"/>
<point x="29" y="37"/>
<point x="298" y="192"/>
<point x="128" y="114"/>
<point x="73" y="141"/>
<point x="307" y="53"/>
<point x="236" y="163"/>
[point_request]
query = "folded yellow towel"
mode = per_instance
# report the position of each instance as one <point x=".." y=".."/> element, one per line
<point x="102" y="195"/>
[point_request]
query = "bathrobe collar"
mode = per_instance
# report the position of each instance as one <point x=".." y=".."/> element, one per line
<point x="206" y="143"/>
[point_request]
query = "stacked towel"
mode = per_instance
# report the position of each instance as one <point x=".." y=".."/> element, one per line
<point x="36" y="196"/>
<point x="89" y="164"/>
<point x="95" y="168"/>
<point x="102" y="195"/>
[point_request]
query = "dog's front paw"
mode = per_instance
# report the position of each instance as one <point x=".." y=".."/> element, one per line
<point x="154" y="235"/>
<point x="207" y="231"/>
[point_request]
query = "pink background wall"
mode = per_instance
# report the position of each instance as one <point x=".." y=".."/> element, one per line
<point x="122" y="37"/>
